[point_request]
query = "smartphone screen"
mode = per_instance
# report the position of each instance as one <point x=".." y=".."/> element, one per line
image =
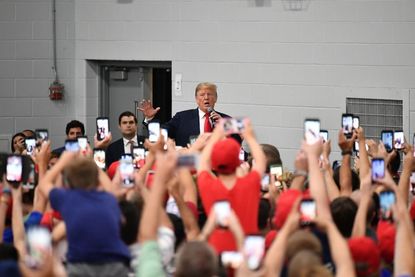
<point x="83" y="143"/>
<point x="307" y="211"/>
<point x="222" y="210"/>
<point x="239" y="125"/>
<point x="14" y="169"/>
<point x="276" y="169"/>
<point x="254" y="248"/>
<point x="41" y="136"/>
<point x="71" y="145"/>
<point x="126" y="169"/>
<point x="265" y="182"/>
<point x="38" y="243"/>
<point x="387" y="139"/>
<point x="30" y="145"/>
<point x="187" y="160"/>
<point x="378" y="169"/>
<point x="139" y="154"/>
<point x="312" y="130"/>
<point x="229" y="126"/>
<point x="99" y="158"/>
<point x="347" y="124"/>
<point x="103" y="128"/>
<point x="153" y="131"/>
<point x="232" y="259"/>
<point x="31" y="178"/>
<point x="324" y="134"/>
<point x="398" y="140"/>
<point x="387" y="199"/>
<point x="356" y="122"/>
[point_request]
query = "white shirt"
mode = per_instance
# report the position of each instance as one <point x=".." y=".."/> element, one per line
<point x="127" y="146"/>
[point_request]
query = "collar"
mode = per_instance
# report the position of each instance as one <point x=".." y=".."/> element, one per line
<point x="125" y="141"/>
<point x="201" y="113"/>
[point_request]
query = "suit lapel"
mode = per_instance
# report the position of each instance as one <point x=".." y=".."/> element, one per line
<point x="195" y="122"/>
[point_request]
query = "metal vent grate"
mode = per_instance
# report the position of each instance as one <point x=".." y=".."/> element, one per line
<point x="376" y="114"/>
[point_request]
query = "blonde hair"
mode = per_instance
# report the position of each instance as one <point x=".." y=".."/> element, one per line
<point x="210" y="86"/>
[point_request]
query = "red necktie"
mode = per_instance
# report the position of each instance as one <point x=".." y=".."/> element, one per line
<point x="207" y="127"/>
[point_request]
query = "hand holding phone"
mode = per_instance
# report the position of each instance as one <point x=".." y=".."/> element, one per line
<point x="387" y="139"/>
<point x="30" y="145"/>
<point x="307" y="211"/>
<point x="39" y="242"/>
<point x="347" y="125"/>
<point x="378" y="169"/>
<point x="222" y="210"/>
<point x="398" y="139"/>
<point x="387" y="199"/>
<point x="103" y="128"/>
<point x="14" y="169"/>
<point x="153" y="131"/>
<point x="72" y="145"/>
<point x="126" y="169"/>
<point x="254" y="249"/>
<point x="312" y="130"/>
<point x="41" y="136"/>
<point x="99" y="158"/>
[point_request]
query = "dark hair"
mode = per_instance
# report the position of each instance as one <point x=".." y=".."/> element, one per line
<point x="264" y="212"/>
<point x="355" y="178"/>
<point x="32" y="133"/>
<point x="131" y="221"/>
<point x="14" y="136"/>
<point x="196" y="258"/>
<point x="75" y="124"/>
<point x="272" y="155"/>
<point x="395" y="163"/>
<point x="82" y="173"/>
<point x="343" y="210"/>
<point x="8" y="252"/>
<point x="128" y="114"/>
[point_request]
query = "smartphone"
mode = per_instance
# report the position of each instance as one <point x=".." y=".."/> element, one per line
<point x="31" y="178"/>
<point x="387" y="139"/>
<point x="398" y="139"/>
<point x="139" y="154"/>
<point x="83" y="143"/>
<point x="265" y="182"/>
<point x="231" y="259"/>
<point x="276" y="169"/>
<point x="307" y="211"/>
<point x="126" y="169"/>
<point x="312" y="130"/>
<point x="378" y="169"/>
<point x="222" y="210"/>
<point x="30" y="145"/>
<point x="188" y="160"/>
<point x="242" y="155"/>
<point x="41" y="136"/>
<point x="71" y="145"/>
<point x="38" y="243"/>
<point x="99" y="158"/>
<point x="386" y="199"/>
<point x="103" y="127"/>
<point x="14" y="169"/>
<point x="233" y="125"/>
<point x="356" y="146"/>
<point x="347" y="124"/>
<point x="153" y="131"/>
<point x="254" y="249"/>
<point x="324" y="134"/>
<point x="356" y="122"/>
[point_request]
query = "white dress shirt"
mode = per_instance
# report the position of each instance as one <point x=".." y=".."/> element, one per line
<point x="127" y="147"/>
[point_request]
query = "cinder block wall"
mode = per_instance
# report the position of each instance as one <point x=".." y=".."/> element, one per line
<point x="273" y="65"/>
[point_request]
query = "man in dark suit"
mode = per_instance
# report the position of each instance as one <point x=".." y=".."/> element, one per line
<point x="127" y="123"/>
<point x="190" y="122"/>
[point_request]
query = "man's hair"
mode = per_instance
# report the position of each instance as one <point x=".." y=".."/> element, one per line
<point x="196" y="258"/>
<point x="307" y="264"/>
<point x="131" y="213"/>
<point x="75" y="124"/>
<point x="264" y="213"/>
<point x="303" y="240"/>
<point x="207" y="85"/>
<point x="82" y="173"/>
<point x="343" y="210"/>
<point x="128" y="114"/>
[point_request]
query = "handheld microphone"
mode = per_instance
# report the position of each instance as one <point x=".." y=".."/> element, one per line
<point x="210" y="110"/>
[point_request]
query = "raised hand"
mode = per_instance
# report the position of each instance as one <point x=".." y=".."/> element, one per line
<point x="146" y="107"/>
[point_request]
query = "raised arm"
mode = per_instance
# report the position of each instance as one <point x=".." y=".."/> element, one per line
<point x="19" y="236"/>
<point x="364" y="167"/>
<point x="346" y="147"/>
<point x="256" y="150"/>
<point x="359" y="225"/>
<point x="204" y="159"/>
<point x="332" y="189"/>
<point x="404" y="180"/>
<point x="316" y="179"/>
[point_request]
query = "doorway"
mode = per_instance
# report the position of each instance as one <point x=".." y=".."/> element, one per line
<point x="123" y="84"/>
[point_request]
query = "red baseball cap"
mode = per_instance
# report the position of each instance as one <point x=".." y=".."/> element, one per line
<point x="284" y="205"/>
<point x="366" y="255"/>
<point x="225" y="156"/>
<point x="386" y="237"/>
<point x="113" y="169"/>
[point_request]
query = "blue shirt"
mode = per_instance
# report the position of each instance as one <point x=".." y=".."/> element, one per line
<point x="93" y="222"/>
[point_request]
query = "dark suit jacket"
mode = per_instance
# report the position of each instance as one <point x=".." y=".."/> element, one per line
<point x="185" y="124"/>
<point x="116" y="149"/>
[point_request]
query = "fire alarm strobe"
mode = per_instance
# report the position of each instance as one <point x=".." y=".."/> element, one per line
<point x="56" y="91"/>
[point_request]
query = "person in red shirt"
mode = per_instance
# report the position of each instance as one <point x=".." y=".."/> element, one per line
<point x="243" y="193"/>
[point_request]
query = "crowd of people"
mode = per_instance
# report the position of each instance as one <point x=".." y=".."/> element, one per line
<point x="207" y="208"/>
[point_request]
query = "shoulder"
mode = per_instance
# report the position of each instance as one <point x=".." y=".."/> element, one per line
<point x="187" y="112"/>
<point x="116" y="143"/>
